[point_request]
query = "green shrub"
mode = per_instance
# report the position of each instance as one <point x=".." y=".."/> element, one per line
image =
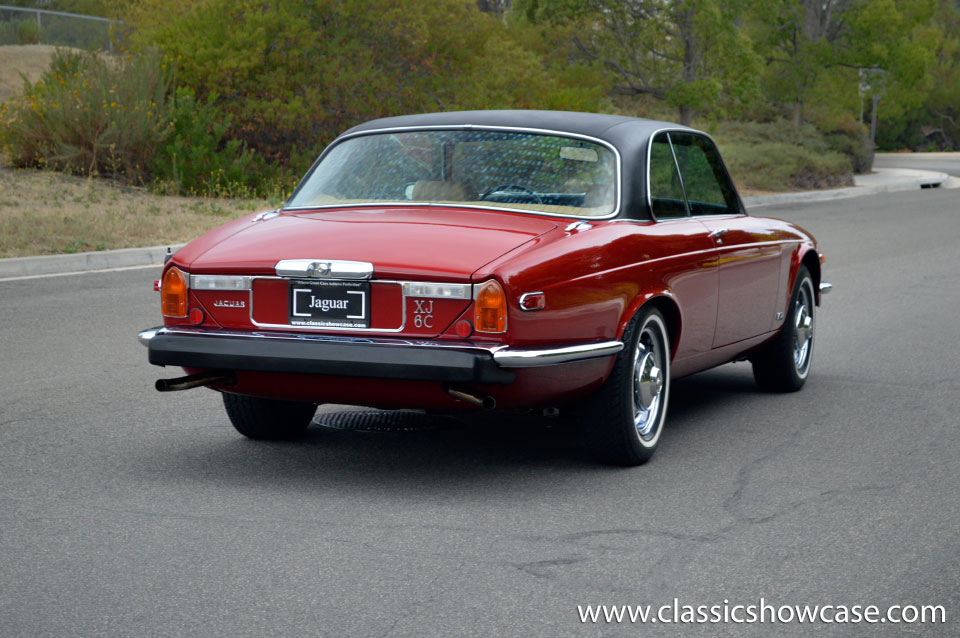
<point x="776" y="166"/>
<point x="776" y="156"/>
<point x="19" y="32"/>
<point x="293" y="75"/>
<point x="852" y="139"/>
<point x="91" y="115"/>
<point x="195" y="158"/>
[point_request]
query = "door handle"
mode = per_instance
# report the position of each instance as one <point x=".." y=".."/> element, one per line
<point x="718" y="234"/>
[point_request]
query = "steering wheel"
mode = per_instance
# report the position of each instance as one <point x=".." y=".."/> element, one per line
<point x="510" y="188"/>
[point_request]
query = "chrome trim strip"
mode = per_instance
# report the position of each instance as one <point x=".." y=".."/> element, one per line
<point x="468" y="127"/>
<point x="825" y="287"/>
<point x="532" y="358"/>
<point x="324" y="269"/>
<point x="220" y="282"/>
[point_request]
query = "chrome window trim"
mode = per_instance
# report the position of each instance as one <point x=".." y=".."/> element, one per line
<point x="467" y="127"/>
<point x="683" y="188"/>
<point x="690" y="215"/>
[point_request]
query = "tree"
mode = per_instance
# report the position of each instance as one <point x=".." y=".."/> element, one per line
<point x="688" y="53"/>
<point x="293" y="75"/>
<point x="807" y="41"/>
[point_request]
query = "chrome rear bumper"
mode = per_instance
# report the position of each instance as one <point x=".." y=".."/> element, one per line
<point x="356" y="356"/>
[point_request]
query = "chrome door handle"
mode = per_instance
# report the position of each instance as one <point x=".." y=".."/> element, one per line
<point x="718" y="234"/>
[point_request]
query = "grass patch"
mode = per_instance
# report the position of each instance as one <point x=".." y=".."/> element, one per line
<point x="42" y="213"/>
<point x="32" y="60"/>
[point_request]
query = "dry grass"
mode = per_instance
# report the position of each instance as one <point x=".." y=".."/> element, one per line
<point x="43" y="212"/>
<point x="29" y="59"/>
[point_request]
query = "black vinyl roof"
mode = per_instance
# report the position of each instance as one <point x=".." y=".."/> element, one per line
<point x="629" y="135"/>
<point x="615" y="129"/>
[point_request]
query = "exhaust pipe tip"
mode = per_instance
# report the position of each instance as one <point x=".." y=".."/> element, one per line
<point x="195" y="381"/>
<point x="482" y="401"/>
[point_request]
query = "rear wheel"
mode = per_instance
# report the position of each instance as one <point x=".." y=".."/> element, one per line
<point x="624" y="418"/>
<point x="268" y="419"/>
<point x="784" y="364"/>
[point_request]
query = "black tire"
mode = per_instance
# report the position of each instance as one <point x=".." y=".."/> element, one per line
<point x="268" y="419"/>
<point x="623" y="420"/>
<point x="783" y="365"/>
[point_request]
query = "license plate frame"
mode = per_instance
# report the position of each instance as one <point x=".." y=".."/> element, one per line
<point x="329" y="304"/>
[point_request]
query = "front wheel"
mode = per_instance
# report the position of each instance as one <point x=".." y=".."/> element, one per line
<point x="623" y="420"/>
<point x="268" y="419"/>
<point x="784" y="364"/>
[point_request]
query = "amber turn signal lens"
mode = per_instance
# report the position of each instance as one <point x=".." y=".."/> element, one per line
<point x="491" y="308"/>
<point x="173" y="294"/>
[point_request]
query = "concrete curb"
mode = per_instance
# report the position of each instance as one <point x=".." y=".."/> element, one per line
<point x="883" y="180"/>
<point x="97" y="260"/>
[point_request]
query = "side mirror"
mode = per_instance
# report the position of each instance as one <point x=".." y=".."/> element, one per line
<point x="408" y="190"/>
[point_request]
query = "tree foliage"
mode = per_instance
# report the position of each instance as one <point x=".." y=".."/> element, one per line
<point x="293" y="75"/>
<point x="688" y="53"/>
<point x="838" y="49"/>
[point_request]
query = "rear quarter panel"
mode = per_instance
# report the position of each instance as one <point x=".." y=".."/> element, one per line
<point x="595" y="280"/>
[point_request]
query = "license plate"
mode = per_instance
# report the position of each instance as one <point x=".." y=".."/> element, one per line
<point x="330" y="304"/>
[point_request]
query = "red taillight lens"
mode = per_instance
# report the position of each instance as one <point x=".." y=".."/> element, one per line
<point x="490" y="308"/>
<point x="173" y="294"/>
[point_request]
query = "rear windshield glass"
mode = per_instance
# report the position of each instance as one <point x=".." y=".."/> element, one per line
<point x="492" y="169"/>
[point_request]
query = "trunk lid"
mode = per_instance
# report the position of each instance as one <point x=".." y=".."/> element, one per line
<point x="403" y="244"/>
<point x="407" y="243"/>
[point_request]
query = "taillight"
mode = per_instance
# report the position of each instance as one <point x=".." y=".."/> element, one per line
<point x="173" y="294"/>
<point x="490" y="313"/>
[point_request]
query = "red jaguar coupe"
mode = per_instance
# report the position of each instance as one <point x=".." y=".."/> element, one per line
<point x="491" y="260"/>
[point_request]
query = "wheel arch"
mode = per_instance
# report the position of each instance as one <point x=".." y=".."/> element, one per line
<point x="810" y="259"/>
<point x="664" y="302"/>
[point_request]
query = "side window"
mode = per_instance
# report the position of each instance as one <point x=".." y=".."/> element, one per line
<point x="706" y="182"/>
<point x="666" y="191"/>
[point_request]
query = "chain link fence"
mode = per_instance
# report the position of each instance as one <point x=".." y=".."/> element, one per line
<point x="20" y="25"/>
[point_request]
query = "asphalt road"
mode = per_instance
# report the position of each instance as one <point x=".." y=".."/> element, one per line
<point x="124" y="512"/>
<point x="948" y="163"/>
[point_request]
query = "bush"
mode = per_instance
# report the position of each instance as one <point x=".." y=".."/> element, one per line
<point x="195" y="159"/>
<point x="293" y="75"/>
<point x="90" y="115"/>
<point x="19" y="32"/>
<point x="852" y="139"/>
<point x="776" y="156"/>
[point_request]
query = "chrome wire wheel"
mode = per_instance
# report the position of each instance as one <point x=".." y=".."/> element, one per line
<point x="650" y="370"/>
<point x="803" y="319"/>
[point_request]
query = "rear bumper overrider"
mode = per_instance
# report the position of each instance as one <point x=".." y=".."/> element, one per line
<point x="298" y="353"/>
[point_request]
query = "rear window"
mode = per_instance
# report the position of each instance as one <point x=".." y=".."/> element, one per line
<point x="488" y="168"/>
